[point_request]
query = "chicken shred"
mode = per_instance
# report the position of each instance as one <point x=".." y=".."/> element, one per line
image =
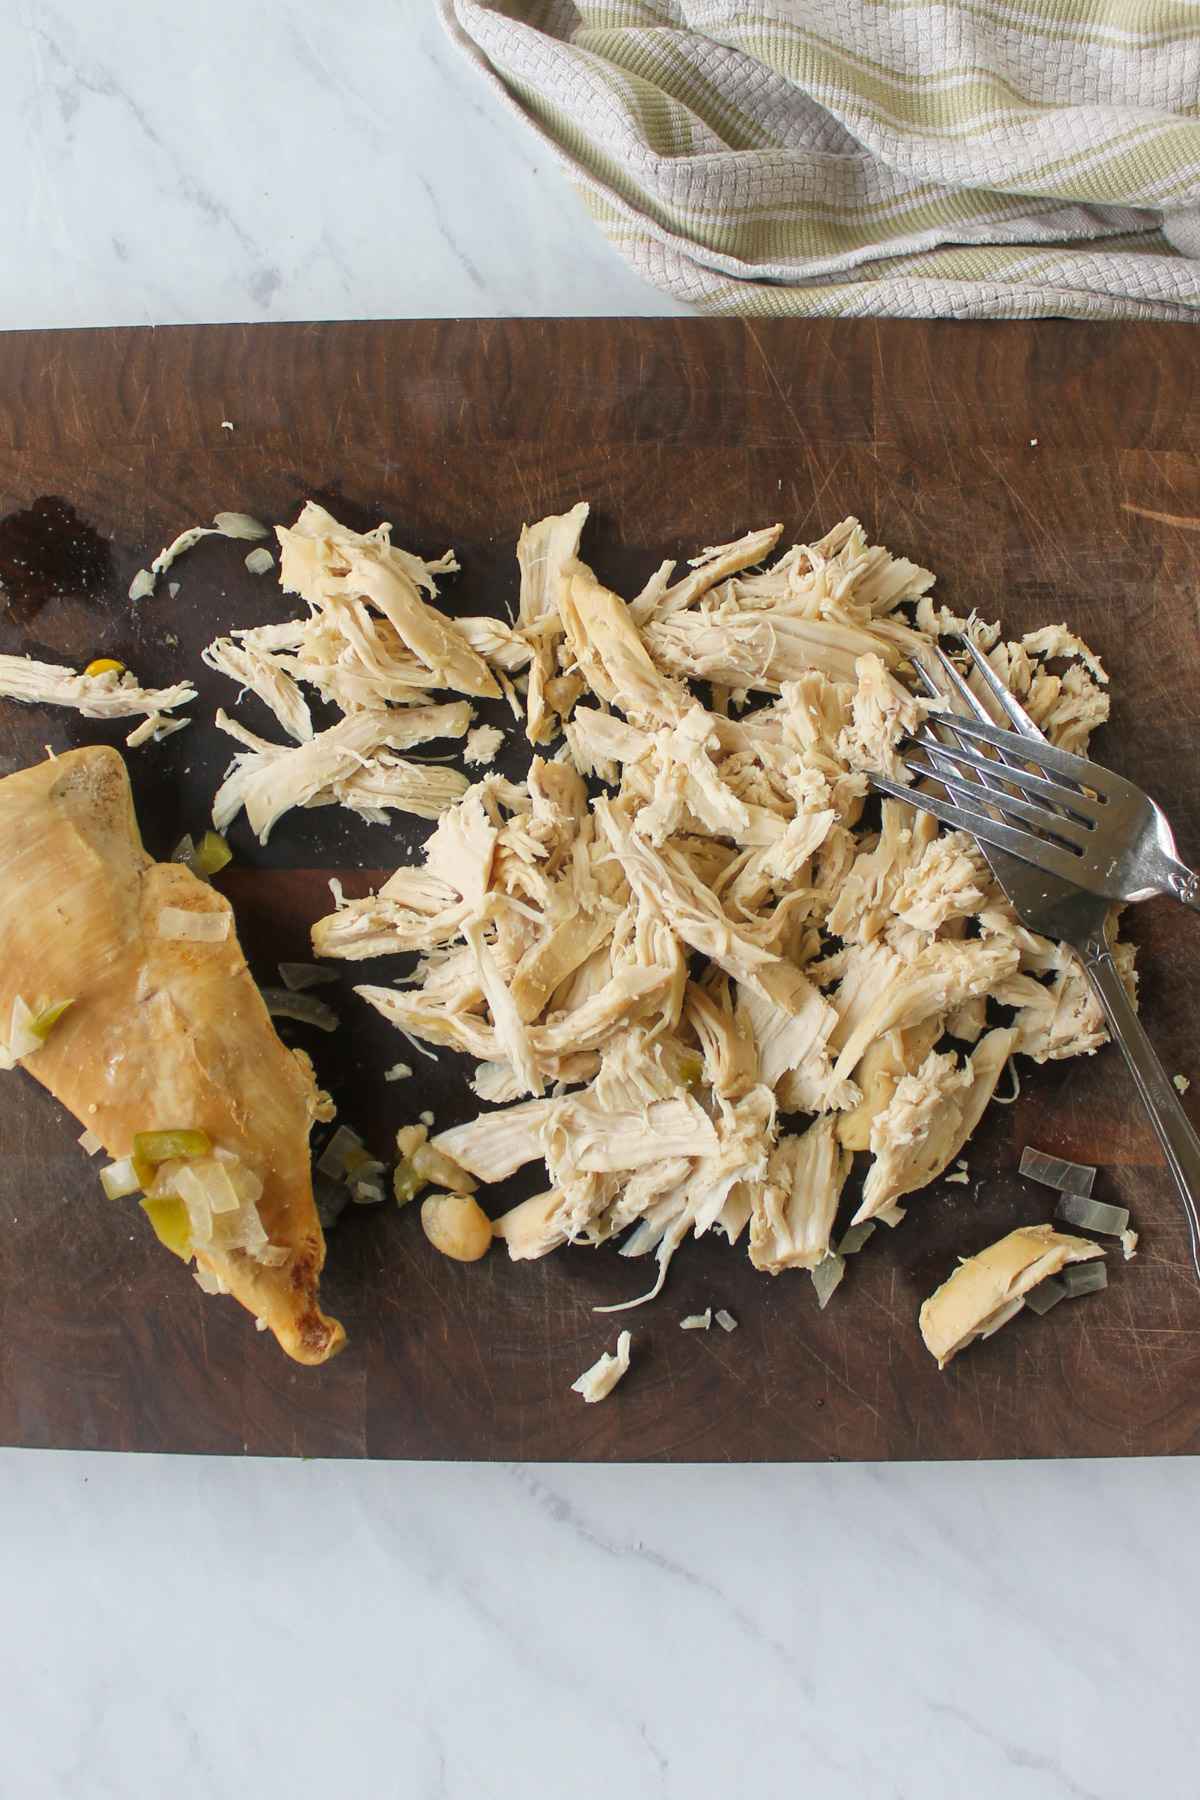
<point x="654" y="980"/>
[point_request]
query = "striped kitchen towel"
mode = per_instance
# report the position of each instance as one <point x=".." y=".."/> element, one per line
<point x="937" y="158"/>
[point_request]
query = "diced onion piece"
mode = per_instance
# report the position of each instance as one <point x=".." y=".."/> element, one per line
<point x="456" y="1225"/>
<point x="172" y="1224"/>
<point x="170" y="1146"/>
<point x="185" y="853"/>
<point x="120" y="1178"/>
<point x="697" y="1321"/>
<point x="105" y="665"/>
<point x="206" y="1181"/>
<point x="212" y="853"/>
<point x="1092" y="1215"/>
<point x="406" y="1183"/>
<point x="344" y="1148"/>
<point x="1084" y="1278"/>
<point x="90" y="1142"/>
<point x="239" y="525"/>
<point x="260" y="561"/>
<point x="246" y="1184"/>
<point x="1052" y="1171"/>
<point x="726" y="1320"/>
<point x="435" y="1166"/>
<point x="855" y="1237"/>
<point x="600" y="1380"/>
<point x="284" y="1003"/>
<point x="1046" y="1294"/>
<point x="365" y="1182"/>
<point x="332" y="1198"/>
<point x="298" y="976"/>
<point x="426" y="1119"/>
<point x="272" y="1256"/>
<point x="194" y="927"/>
<point x="21" y="1040"/>
<point x="210" y="1281"/>
<point x="826" y="1276"/>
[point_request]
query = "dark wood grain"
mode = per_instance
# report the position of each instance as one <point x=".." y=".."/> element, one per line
<point x="681" y="433"/>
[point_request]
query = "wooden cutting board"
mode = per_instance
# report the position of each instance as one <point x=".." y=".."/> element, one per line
<point x="1045" y="471"/>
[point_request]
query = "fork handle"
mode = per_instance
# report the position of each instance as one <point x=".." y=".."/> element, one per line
<point x="1180" y="1144"/>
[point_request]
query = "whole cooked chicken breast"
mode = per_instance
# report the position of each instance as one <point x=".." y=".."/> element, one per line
<point x="166" y="1031"/>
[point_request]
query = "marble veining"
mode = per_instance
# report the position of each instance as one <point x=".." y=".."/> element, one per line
<point x="206" y="1628"/>
<point x="262" y="161"/>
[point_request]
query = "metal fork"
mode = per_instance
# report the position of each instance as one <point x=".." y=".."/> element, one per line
<point x="1058" y="908"/>
<point x="1089" y="827"/>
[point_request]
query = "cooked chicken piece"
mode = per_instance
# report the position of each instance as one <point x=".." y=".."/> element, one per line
<point x="794" y="1209"/>
<point x="599" y="1381"/>
<point x="165" y="1030"/>
<point x="988" y="1289"/>
<point x="560" y="1216"/>
<point x="482" y="745"/>
<point x="664" y="880"/>
<point x="949" y="881"/>
<point x="347" y="765"/>
<point x="113" y="694"/>
<point x="427" y="633"/>
<point x="929" y="1119"/>
<point x="714" y="565"/>
<point x="263" y="675"/>
<point x="413" y="910"/>
<point x="495" y="642"/>
<point x="713" y="1192"/>
<point x="1068" y="710"/>
<point x="582" y="1137"/>
<point x="727" y="1038"/>
<point x="544" y="552"/>
<point x="866" y="900"/>
<point x="611" y="655"/>
<point x="725" y="645"/>
<point x="335" y="570"/>
<point x="1055" y="640"/>
<point x="937" y="981"/>
<point x="1056" y="1019"/>
<point x="786" y="1041"/>
<point x="511" y="1036"/>
<point x="883" y="1066"/>
<point x="882" y="712"/>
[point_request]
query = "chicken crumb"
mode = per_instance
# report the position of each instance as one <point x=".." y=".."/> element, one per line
<point x="1180" y="1083"/>
<point x="600" y="1380"/>
<point x="1129" y="1239"/>
<point x="482" y="745"/>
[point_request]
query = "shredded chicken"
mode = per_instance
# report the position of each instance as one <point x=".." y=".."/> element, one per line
<point x="599" y="1381"/>
<point x="724" y="938"/>
<point x="989" y="1289"/>
<point x="113" y="694"/>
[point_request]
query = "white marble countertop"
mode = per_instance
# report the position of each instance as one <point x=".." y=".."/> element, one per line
<point x="210" y="1628"/>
